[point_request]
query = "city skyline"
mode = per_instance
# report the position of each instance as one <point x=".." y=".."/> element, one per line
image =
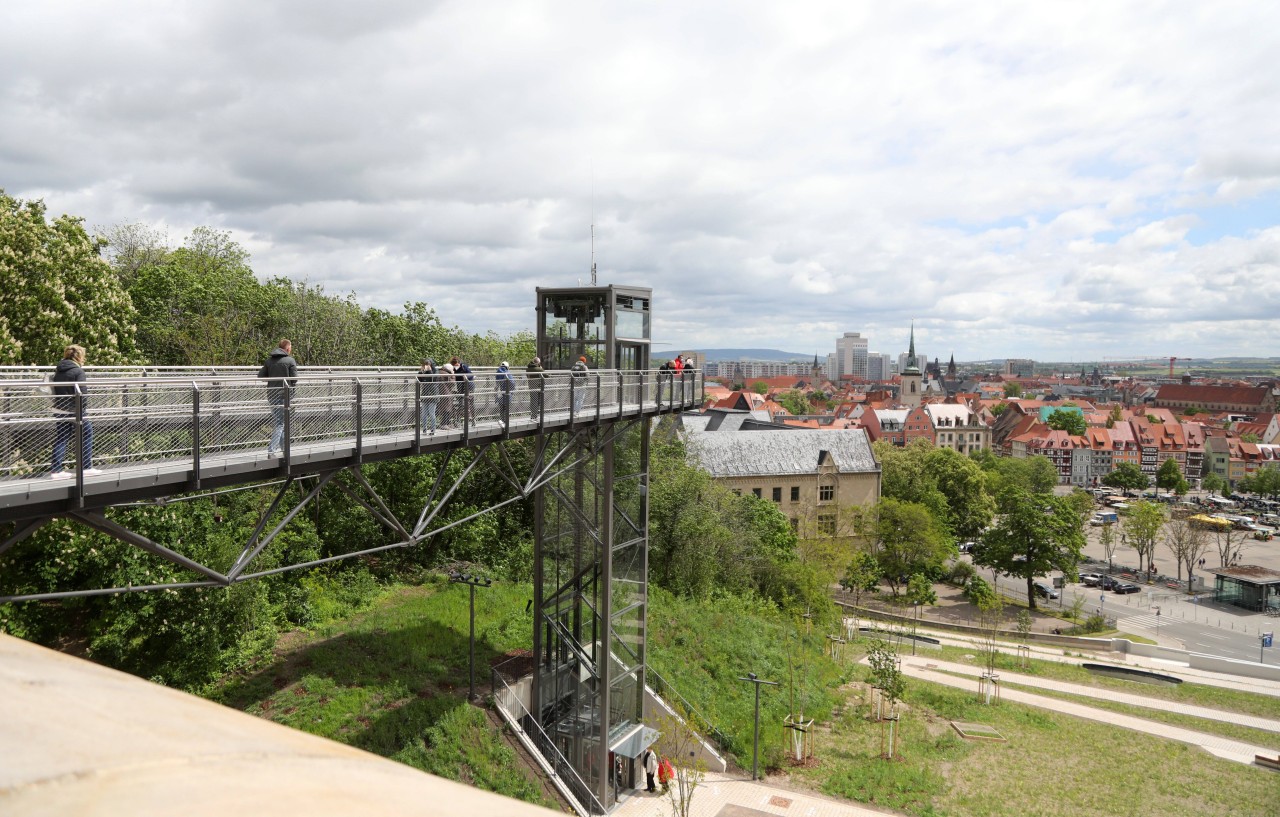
<point x="1021" y="180"/>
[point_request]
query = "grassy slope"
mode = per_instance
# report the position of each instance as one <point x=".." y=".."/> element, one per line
<point x="393" y="681"/>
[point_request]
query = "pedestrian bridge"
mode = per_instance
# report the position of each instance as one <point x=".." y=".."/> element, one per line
<point x="154" y="432"/>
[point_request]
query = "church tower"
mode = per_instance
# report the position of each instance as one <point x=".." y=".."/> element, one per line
<point x="910" y="392"/>
<point x="815" y="374"/>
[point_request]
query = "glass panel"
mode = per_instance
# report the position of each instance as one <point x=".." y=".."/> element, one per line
<point x="632" y="324"/>
<point x="579" y="316"/>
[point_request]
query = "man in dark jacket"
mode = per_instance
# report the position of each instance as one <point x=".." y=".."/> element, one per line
<point x="579" y="374"/>
<point x="70" y="371"/>
<point x="282" y="370"/>
<point x="534" y="374"/>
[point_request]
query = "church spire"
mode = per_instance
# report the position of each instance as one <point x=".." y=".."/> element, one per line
<point x="912" y="368"/>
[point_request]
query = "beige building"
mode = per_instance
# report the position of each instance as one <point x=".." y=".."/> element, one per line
<point x="809" y="474"/>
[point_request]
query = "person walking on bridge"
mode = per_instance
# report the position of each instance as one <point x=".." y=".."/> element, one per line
<point x="282" y="370"/>
<point x="70" y="370"/>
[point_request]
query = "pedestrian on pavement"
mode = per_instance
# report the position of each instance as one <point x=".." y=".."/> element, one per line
<point x="650" y="761"/>
<point x="535" y="376"/>
<point x="466" y="381"/>
<point x="71" y="370"/>
<point x="579" y="375"/>
<point x="283" y="371"/>
<point x="430" y="393"/>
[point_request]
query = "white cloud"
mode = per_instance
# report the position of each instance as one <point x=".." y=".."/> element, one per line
<point x="1021" y="178"/>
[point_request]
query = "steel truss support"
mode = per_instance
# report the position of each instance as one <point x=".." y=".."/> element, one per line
<point x="554" y="455"/>
<point x="590" y="596"/>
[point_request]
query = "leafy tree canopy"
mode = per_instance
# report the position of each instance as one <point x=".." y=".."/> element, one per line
<point x="1012" y="389"/>
<point x="909" y="540"/>
<point x="1264" y="482"/>
<point x="1127" y="477"/>
<point x="56" y="289"/>
<point x="1036" y="534"/>
<point x="1169" y="477"/>
<point x="1069" y="421"/>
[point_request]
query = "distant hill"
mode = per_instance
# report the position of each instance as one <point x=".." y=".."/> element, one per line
<point x="759" y="354"/>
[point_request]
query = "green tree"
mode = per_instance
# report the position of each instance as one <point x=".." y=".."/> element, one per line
<point x="1127" y="477"/>
<point x="919" y="593"/>
<point x="794" y="402"/>
<point x="963" y="484"/>
<point x="1037" y="533"/>
<point x="1036" y="474"/>
<point x="1142" y="528"/>
<point x="1169" y="477"/>
<point x="952" y="486"/>
<point x="998" y="409"/>
<point x="57" y="289"/>
<point x="1214" y="483"/>
<point x="861" y="576"/>
<point x="1116" y="415"/>
<point x="1012" y="389"/>
<point x="1264" y="482"/>
<point x="760" y="387"/>
<point x="1069" y="421"/>
<point x="909" y="540"/>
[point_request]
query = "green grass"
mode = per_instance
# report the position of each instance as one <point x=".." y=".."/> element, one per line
<point x="1051" y="764"/>
<point x="393" y="680"/>
<point x="1188" y="692"/>
<point x="1246" y="734"/>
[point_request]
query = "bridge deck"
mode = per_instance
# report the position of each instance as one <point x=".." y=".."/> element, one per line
<point x="156" y="436"/>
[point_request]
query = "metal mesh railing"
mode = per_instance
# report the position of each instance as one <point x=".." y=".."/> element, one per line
<point x="178" y="419"/>
<point x="512" y="705"/>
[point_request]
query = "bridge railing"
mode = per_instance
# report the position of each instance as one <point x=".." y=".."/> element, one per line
<point x="119" y="423"/>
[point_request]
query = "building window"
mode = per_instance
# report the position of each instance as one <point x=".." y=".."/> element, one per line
<point x="756" y="491"/>
<point x="826" y="493"/>
<point x="795" y="493"/>
<point x="827" y="524"/>
<point x="795" y="525"/>
<point x="777" y="494"/>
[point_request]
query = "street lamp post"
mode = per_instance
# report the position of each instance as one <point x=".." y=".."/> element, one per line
<point x="755" y="748"/>
<point x="472" y="582"/>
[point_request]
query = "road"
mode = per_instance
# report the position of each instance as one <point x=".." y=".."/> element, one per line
<point x="1213" y="629"/>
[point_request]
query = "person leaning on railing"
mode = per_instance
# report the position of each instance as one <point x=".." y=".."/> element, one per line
<point x="534" y="374"/>
<point x="70" y="370"/>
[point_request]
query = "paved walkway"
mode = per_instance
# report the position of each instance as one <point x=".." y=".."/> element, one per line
<point x="722" y="795"/>
<point x="936" y="671"/>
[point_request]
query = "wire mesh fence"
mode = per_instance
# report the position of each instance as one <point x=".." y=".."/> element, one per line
<point x="176" y="416"/>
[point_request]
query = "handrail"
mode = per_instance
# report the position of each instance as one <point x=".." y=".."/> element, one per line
<point x="663" y="687"/>
<point x="116" y="423"/>
<point x="560" y="765"/>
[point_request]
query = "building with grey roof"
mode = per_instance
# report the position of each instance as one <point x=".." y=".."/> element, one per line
<point x="809" y="474"/>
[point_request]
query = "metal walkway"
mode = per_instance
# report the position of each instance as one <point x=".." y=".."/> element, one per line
<point x="163" y="432"/>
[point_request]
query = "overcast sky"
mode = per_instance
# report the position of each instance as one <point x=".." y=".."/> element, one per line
<point x="1024" y="179"/>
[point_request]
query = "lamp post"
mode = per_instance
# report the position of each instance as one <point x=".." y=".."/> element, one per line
<point x="472" y="582"/>
<point x="755" y="748"/>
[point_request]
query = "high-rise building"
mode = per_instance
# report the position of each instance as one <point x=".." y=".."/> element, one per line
<point x="851" y="356"/>
<point x="1020" y="367"/>
<point x="878" y="366"/>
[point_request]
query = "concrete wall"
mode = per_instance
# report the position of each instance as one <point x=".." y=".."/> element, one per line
<point x="1231" y="666"/>
<point x="1127" y="647"/>
<point x="657" y="710"/>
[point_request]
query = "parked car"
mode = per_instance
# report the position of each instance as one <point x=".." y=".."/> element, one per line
<point x="1044" y="591"/>
<point x="967" y="547"/>
<point x="1107" y="582"/>
<point x="1125" y="587"/>
<point x="1090" y="579"/>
